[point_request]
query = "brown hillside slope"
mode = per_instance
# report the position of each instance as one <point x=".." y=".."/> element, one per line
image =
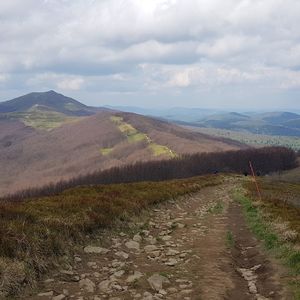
<point x="31" y="157"/>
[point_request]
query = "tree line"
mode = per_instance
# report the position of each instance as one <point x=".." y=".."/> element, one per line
<point x="264" y="160"/>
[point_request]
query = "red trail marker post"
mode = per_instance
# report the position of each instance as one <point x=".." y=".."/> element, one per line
<point x="255" y="181"/>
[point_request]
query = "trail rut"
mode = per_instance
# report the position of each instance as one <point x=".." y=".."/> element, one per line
<point x="179" y="250"/>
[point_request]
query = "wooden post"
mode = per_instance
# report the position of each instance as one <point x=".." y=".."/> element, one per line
<point x="255" y="181"/>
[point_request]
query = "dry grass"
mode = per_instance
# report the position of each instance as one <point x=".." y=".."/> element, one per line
<point x="12" y="276"/>
<point x="281" y="201"/>
<point x="278" y="227"/>
<point x="36" y="233"/>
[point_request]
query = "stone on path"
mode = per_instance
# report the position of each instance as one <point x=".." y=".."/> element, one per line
<point x="104" y="286"/>
<point x="122" y="254"/>
<point x="46" y="294"/>
<point x="171" y="262"/>
<point x="156" y="281"/>
<point x="137" y="238"/>
<point x="59" y="297"/>
<point x="95" y="250"/>
<point x="137" y="275"/>
<point x="150" y="248"/>
<point x="87" y="284"/>
<point x="132" y="245"/>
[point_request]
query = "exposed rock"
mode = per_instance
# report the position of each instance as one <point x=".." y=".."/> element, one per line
<point x="150" y="248"/>
<point x="68" y="276"/>
<point x="49" y="280"/>
<point x="151" y="240"/>
<point x="132" y="245"/>
<point x="59" y="297"/>
<point x="171" y="262"/>
<point x="252" y="287"/>
<point x="137" y="238"/>
<point x="136" y="276"/>
<point x="46" y="294"/>
<point x="87" y="284"/>
<point x="172" y="252"/>
<point x="104" y="286"/>
<point x="115" y="286"/>
<point x="96" y="250"/>
<point x="156" y="281"/>
<point x="122" y="254"/>
<point x="92" y="264"/>
<point x="66" y="292"/>
<point x="155" y="254"/>
<point x="77" y="259"/>
<point x="118" y="274"/>
<point x="147" y="296"/>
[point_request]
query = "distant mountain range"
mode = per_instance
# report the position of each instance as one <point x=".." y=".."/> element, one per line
<point x="272" y="123"/>
<point x="266" y="123"/>
<point x="45" y="137"/>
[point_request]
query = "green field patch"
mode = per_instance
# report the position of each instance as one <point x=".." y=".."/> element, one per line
<point x="106" y="151"/>
<point x="137" y="137"/>
<point x="127" y="129"/>
<point x="158" y="150"/>
<point x="116" y="119"/>
<point x="134" y="136"/>
<point x="42" y="119"/>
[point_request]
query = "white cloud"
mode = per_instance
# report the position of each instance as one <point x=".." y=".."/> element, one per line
<point x="71" y="84"/>
<point x="3" y="78"/>
<point x="187" y="44"/>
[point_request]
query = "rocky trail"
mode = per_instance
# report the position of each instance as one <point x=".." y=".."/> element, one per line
<point x="197" y="247"/>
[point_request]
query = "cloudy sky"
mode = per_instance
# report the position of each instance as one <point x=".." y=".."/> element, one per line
<point x="242" y="54"/>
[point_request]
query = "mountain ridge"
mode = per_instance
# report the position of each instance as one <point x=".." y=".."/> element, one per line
<point x="52" y="100"/>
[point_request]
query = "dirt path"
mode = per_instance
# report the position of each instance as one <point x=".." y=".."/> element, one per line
<point x="197" y="247"/>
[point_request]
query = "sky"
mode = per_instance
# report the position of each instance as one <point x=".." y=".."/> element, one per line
<point x="233" y="54"/>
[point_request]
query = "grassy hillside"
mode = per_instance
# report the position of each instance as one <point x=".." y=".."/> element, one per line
<point x="82" y="145"/>
<point x="36" y="233"/>
<point x="133" y="135"/>
<point x="42" y="119"/>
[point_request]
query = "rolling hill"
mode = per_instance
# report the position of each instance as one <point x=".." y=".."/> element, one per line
<point x="60" y="143"/>
<point x="272" y="123"/>
<point x="268" y="123"/>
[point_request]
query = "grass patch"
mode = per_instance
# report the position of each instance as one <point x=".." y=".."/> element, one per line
<point x="42" y="119"/>
<point x="106" y="151"/>
<point x="37" y="233"/>
<point x="134" y="136"/>
<point x="261" y="226"/>
<point x="137" y="137"/>
<point x="127" y="129"/>
<point x="116" y="119"/>
<point x="229" y="239"/>
<point x="158" y="150"/>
